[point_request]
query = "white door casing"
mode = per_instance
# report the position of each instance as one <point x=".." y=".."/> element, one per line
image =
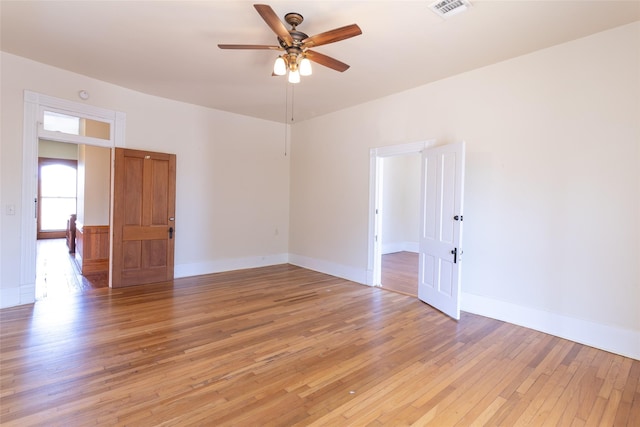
<point x="441" y="204"/>
<point x="34" y="105"/>
<point x="374" y="265"/>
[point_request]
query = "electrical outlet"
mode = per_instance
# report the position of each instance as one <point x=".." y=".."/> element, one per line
<point x="11" y="209"/>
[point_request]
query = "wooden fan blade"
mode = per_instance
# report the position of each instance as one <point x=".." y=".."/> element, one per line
<point x="327" y="61"/>
<point x="274" y="22"/>
<point x="248" y="46"/>
<point x="332" y="36"/>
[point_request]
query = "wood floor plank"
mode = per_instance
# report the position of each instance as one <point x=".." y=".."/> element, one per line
<point x="486" y="414"/>
<point x="400" y="272"/>
<point x="286" y="346"/>
<point x="629" y="387"/>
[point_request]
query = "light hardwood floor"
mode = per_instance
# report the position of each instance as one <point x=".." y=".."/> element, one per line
<point x="282" y="346"/>
<point x="57" y="273"/>
<point x="400" y="272"/>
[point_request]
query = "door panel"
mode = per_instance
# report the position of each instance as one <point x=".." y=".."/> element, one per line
<point x="441" y="233"/>
<point x="144" y="209"/>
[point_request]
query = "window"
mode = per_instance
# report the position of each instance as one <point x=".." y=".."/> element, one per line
<point x="61" y="123"/>
<point x="57" y="201"/>
<point x="72" y="125"/>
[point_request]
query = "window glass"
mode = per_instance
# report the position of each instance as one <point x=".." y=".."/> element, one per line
<point x="61" y="123"/>
<point x="57" y="122"/>
<point x="55" y="213"/>
<point x="58" y="196"/>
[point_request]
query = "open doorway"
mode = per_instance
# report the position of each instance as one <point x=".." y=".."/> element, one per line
<point x="400" y="229"/>
<point x="73" y="182"/>
<point x="440" y="221"/>
<point x="389" y="237"/>
<point x="91" y="126"/>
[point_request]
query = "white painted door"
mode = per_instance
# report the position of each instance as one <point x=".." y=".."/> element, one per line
<point x="441" y="227"/>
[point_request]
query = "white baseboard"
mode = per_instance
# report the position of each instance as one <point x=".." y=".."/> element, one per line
<point x="217" y="266"/>
<point x="605" y="337"/>
<point x="9" y="297"/>
<point x="369" y="274"/>
<point x="411" y="247"/>
<point x="28" y="293"/>
<point x="393" y="247"/>
<point x="625" y="342"/>
<point x="25" y="294"/>
<point x="17" y="295"/>
<point x="345" y="272"/>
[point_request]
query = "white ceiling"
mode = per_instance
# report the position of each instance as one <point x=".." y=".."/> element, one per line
<point x="169" y="48"/>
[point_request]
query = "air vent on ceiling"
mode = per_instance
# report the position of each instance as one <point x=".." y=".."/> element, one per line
<point x="447" y="8"/>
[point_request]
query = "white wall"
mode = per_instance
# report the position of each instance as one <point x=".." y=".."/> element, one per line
<point x="552" y="206"/>
<point x="232" y="175"/>
<point x="400" y="203"/>
<point x="94" y="185"/>
<point x="57" y="150"/>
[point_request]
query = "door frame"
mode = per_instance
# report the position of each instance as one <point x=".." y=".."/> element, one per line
<point x="376" y="156"/>
<point x="34" y="106"/>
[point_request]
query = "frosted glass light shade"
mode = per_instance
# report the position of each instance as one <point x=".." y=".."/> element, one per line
<point x="305" y="67"/>
<point x="279" y="67"/>
<point x="294" y="76"/>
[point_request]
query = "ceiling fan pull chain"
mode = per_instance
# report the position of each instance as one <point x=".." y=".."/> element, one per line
<point x="293" y="99"/>
<point x="286" y="114"/>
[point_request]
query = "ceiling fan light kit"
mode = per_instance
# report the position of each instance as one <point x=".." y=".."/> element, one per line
<point x="305" y="67"/>
<point x="294" y="76"/>
<point x="296" y="65"/>
<point x="297" y="56"/>
<point x="280" y="67"/>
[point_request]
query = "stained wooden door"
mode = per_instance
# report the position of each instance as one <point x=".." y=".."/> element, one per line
<point x="441" y="227"/>
<point x="143" y="217"/>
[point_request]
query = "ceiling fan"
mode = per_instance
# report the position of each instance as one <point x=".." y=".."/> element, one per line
<point x="296" y="44"/>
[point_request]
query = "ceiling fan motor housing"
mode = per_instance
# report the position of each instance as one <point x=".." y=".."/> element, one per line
<point x="295" y="50"/>
<point x="297" y="36"/>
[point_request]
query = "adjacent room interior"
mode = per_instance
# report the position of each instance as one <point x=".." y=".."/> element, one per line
<point x="73" y="188"/>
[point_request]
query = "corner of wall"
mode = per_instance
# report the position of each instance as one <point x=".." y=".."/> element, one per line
<point x="343" y="271"/>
